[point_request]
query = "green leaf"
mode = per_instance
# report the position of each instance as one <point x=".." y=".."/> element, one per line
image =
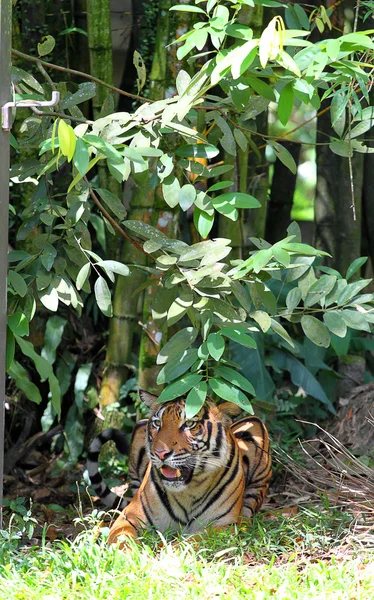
<point x="187" y="195"/>
<point x="338" y="111"/>
<point x="333" y="48"/>
<point x="261" y="88"/>
<point x="220" y="170"/>
<point x="187" y="8"/>
<point x="284" y="156"/>
<point x="78" y="177"/>
<point x="177" y="344"/>
<point x="302" y="16"/>
<point x="175" y="367"/>
<point x="202" y="351"/>
<point x="237" y="199"/>
<point x="304" y="249"/>
<point x="220" y="186"/>
<point x="293" y="298"/>
<point x="52" y="337"/>
<point x="216" y="345"/>
<point x="227" y="209"/>
<point x="151" y="246"/>
<point x="18" y="324"/>
<point x="113" y="202"/>
<point x="285" y="103"/>
<point x="262" y="318"/>
<point x="355" y="320"/>
<point x="82" y="275"/>
<point x="334" y="322"/>
<point x="86" y="91"/>
<point x="302" y="377"/>
<point x="162" y="300"/>
<point x="105" y="148"/>
<point x="17" y="282"/>
<point x="113" y="266"/>
<point x="66" y="139"/>
<point x="316" y="331"/>
<point x="281" y="331"/>
<point x="164" y="262"/>
<point x="202" y="249"/>
<point x="103" y="297"/>
<point x="362" y="127"/>
<point x="203" y="222"/>
<point x="195" y="399"/>
<point x="319" y="289"/>
<point x="355" y="266"/>
<point x="261" y="259"/>
<point x="49" y="298"/>
<point x="171" y="190"/>
<point x="19" y="374"/>
<point x="235" y="378"/>
<point x="19" y="75"/>
<point x="340" y="285"/>
<point x="197" y="151"/>
<point x="179" y="308"/>
<point x="13" y="142"/>
<point x="281" y="256"/>
<point x="81" y="157"/>
<point x="10" y="349"/>
<point x="237" y="334"/>
<point x="48" y="256"/>
<point x="230" y="393"/>
<point x="41" y="364"/>
<point x="140" y="69"/>
<point x="55" y="393"/>
<point x="351" y="290"/>
<point x="241" y="58"/>
<point x="180" y="387"/>
<point x="47" y="45"/>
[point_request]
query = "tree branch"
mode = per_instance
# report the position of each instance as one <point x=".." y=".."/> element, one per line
<point x="114" y="222"/>
<point x="78" y="73"/>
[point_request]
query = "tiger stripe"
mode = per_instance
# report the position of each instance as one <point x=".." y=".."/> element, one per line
<point x="186" y="477"/>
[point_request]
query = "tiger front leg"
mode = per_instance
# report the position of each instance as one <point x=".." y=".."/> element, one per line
<point x="121" y="528"/>
<point x="130" y="522"/>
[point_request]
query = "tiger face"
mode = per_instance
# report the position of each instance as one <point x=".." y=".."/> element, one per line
<point x="180" y="448"/>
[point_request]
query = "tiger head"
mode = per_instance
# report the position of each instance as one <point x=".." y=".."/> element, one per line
<point x="181" y="448"/>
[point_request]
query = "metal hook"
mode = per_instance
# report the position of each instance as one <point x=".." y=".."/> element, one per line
<point x="5" y="111"/>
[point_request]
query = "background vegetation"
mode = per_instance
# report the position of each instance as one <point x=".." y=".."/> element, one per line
<point x="185" y="136"/>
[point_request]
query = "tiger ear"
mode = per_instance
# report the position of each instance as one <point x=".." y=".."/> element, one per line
<point x="147" y="398"/>
<point x="230" y="409"/>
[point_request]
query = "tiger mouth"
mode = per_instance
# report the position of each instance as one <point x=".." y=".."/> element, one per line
<point x="172" y="474"/>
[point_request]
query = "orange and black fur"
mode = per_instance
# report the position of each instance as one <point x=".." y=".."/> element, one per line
<point x="187" y="474"/>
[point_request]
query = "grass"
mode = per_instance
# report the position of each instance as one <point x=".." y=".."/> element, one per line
<point x="316" y="553"/>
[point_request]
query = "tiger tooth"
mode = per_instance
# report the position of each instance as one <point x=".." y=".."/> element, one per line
<point x="178" y="472"/>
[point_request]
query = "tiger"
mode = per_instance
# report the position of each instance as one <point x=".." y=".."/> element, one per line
<point x="187" y="473"/>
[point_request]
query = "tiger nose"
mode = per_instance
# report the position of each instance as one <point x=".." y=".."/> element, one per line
<point x="162" y="453"/>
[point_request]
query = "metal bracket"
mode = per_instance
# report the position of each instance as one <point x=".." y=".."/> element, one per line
<point x="5" y="111"/>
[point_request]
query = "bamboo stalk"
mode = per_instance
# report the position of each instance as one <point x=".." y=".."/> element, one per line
<point x="101" y="67"/>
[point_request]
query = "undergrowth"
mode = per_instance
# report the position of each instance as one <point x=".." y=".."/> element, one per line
<point x="317" y="553"/>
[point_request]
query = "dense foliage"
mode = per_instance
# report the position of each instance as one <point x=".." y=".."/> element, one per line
<point x="183" y="147"/>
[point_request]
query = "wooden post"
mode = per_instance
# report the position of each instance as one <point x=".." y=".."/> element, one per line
<point x="5" y="49"/>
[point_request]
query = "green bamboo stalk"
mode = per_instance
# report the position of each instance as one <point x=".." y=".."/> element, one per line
<point x="249" y="177"/>
<point x="154" y="337"/>
<point x="162" y="76"/>
<point x="100" y="48"/>
<point x="101" y="66"/>
<point x="150" y="207"/>
<point x="127" y="307"/>
<point x="336" y="230"/>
